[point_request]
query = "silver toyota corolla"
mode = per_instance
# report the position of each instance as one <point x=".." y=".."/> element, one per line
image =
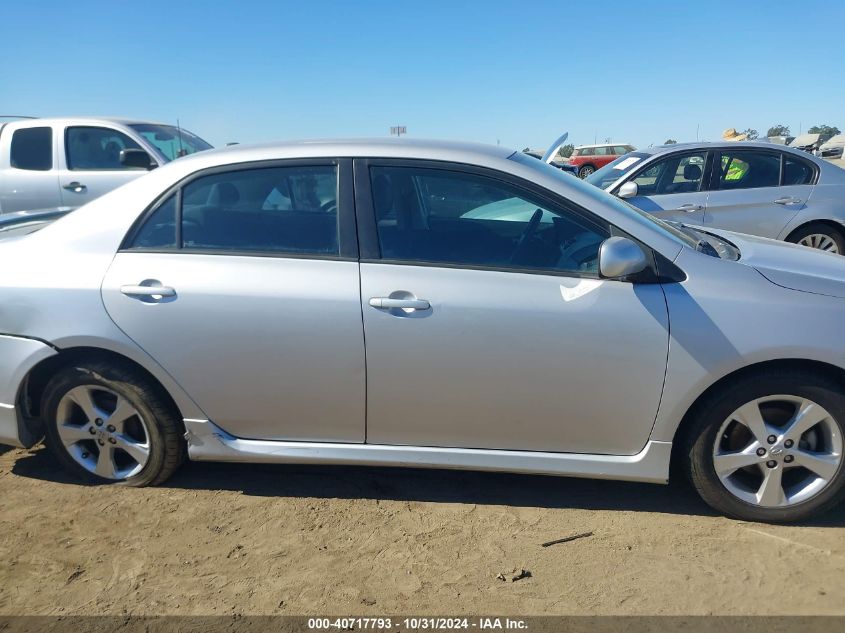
<point x="758" y="188"/>
<point x="421" y="304"/>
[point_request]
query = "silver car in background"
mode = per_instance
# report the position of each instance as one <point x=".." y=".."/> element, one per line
<point x="755" y="188"/>
<point x="421" y="304"/>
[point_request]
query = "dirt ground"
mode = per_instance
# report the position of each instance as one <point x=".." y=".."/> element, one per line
<point x="223" y="539"/>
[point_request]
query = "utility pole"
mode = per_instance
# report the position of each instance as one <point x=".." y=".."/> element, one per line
<point x="398" y="130"/>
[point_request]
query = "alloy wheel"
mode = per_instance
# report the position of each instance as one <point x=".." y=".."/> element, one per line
<point x="103" y="432"/>
<point x="820" y="241"/>
<point x="778" y="451"/>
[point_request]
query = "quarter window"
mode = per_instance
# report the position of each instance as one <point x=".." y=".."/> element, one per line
<point x="32" y="149"/>
<point x="796" y="172"/>
<point x="96" y="148"/>
<point x="745" y="169"/>
<point x="440" y="216"/>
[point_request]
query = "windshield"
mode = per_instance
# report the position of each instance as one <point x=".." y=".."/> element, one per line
<point x="171" y="141"/>
<point x="612" y="172"/>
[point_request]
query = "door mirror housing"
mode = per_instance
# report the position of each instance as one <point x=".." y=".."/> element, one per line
<point x="628" y="190"/>
<point x="136" y="159"/>
<point x="620" y="257"/>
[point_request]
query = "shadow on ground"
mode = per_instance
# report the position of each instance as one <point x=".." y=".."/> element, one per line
<point x="407" y="484"/>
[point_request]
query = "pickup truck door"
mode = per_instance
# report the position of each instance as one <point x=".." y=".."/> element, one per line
<point x="89" y="159"/>
<point x="28" y="167"/>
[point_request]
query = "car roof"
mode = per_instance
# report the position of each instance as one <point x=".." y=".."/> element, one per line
<point x="602" y="145"/>
<point x="705" y="145"/>
<point x="88" y="119"/>
<point x="450" y="151"/>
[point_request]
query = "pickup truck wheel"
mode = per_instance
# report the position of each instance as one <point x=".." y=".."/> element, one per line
<point x="821" y="236"/>
<point x="769" y="447"/>
<point x="110" y="424"/>
<point x="585" y="171"/>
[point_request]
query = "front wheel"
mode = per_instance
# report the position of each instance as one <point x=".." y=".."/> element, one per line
<point x="585" y="171"/>
<point x="112" y="424"/>
<point x="821" y="236"/>
<point x="770" y="447"/>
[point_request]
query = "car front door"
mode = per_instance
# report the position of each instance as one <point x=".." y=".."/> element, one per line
<point x="90" y="163"/>
<point x="757" y="191"/>
<point x="486" y="322"/>
<point x="673" y="187"/>
<point x="243" y="285"/>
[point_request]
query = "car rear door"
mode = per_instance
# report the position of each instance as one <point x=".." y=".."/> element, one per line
<point x="673" y="186"/>
<point x="89" y="162"/>
<point x="242" y="283"/>
<point x="486" y="323"/>
<point x="757" y="191"/>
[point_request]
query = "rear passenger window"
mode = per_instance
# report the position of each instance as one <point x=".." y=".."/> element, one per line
<point x="796" y="172"/>
<point x="744" y="169"/>
<point x="275" y="209"/>
<point x="32" y="149"/>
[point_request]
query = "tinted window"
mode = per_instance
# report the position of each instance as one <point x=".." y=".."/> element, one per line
<point x="159" y="230"/>
<point x="603" y="151"/>
<point x="429" y="215"/>
<point x="171" y="141"/>
<point x="745" y="169"/>
<point x="796" y="172"/>
<point x="32" y="148"/>
<point x="276" y="209"/>
<point x="586" y="151"/>
<point x="620" y="149"/>
<point x="96" y="148"/>
<point x="674" y="174"/>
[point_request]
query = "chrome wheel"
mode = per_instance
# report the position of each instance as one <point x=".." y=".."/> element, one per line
<point x="820" y="241"/>
<point x="778" y="451"/>
<point x="585" y="171"/>
<point x="103" y="432"/>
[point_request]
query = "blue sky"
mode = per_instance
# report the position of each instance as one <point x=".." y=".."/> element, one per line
<point x="514" y="72"/>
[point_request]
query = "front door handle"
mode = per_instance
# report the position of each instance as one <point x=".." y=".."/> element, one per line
<point x="787" y="200"/>
<point x="404" y="304"/>
<point x="152" y="292"/>
<point x="75" y="187"/>
<point x="690" y="208"/>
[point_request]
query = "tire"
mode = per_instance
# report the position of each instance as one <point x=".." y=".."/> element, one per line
<point x="124" y="418"/>
<point x="821" y="236"/>
<point x="730" y="492"/>
<point x="585" y="171"/>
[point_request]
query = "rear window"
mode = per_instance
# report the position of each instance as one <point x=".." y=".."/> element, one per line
<point x="32" y="149"/>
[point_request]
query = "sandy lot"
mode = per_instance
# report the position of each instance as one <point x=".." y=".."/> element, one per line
<point x="223" y="539"/>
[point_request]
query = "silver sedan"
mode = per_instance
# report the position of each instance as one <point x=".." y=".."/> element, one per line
<point x="757" y="188"/>
<point x="421" y="304"/>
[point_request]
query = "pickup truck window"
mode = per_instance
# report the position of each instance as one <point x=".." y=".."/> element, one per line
<point x="32" y="149"/>
<point x="171" y="141"/>
<point x="96" y="148"/>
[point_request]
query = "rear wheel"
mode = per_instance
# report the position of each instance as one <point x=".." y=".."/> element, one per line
<point x="112" y="425"/>
<point x="585" y="171"/>
<point x="770" y="447"/>
<point x="821" y="236"/>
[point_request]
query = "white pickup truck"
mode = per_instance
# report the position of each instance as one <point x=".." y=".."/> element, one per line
<point x="64" y="163"/>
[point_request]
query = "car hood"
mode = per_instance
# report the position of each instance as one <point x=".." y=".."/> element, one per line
<point x="791" y="266"/>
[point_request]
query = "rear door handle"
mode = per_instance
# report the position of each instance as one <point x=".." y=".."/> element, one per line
<point x="690" y="208"/>
<point x="148" y="291"/>
<point x="405" y="304"/>
<point x="787" y="200"/>
<point x="76" y="187"/>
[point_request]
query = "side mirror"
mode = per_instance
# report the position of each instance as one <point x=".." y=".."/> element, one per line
<point x="628" y="190"/>
<point x="620" y="257"/>
<point x="135" y="159"/>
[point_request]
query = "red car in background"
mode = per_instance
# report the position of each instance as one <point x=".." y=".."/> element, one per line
<point x="588" y="158"/>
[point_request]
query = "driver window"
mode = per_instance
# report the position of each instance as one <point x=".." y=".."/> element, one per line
<point x="96" y="148"/>
<point x="450" y="217"/>
<point x="675" y="174"/>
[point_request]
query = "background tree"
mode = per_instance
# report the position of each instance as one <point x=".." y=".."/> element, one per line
<point x="566" y="150"/>
<point x="778" y="130"/>
<point x="751" y="134"/>
<point x="670" y="141"/>
<point x="826" y="131"/>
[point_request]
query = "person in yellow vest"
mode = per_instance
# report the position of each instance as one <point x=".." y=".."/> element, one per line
<point x="736" y="168"/>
